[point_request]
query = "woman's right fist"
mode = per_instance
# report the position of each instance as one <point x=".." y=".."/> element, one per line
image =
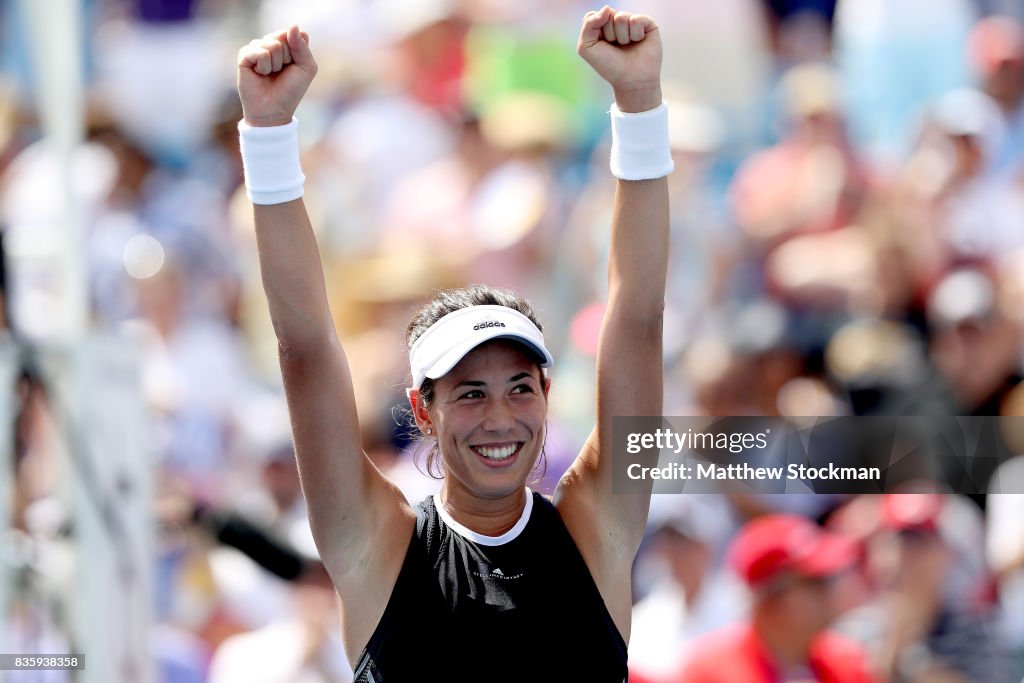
<point x="274" y="73"/>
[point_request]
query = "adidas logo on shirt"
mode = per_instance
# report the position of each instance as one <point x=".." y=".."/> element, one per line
<point x="496" y="573"/>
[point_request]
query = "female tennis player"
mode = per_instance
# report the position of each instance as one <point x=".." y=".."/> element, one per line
<point x="486" y="580"/>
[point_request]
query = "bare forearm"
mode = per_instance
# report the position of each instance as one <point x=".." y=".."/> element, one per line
<point x="292" y="275"/>
<point x="638" y="263"/>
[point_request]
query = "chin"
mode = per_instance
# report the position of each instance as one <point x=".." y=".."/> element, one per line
<point x="499" y="484"/>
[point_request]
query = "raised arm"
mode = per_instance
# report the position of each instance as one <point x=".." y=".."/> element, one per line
<point x="625" y="50"/>
<point x="349" y="501"/>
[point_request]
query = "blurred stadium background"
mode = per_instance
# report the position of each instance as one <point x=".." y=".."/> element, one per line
<point x="847" y="239"/>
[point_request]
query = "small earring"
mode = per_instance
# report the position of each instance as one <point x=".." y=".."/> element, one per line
<point x="428" y="430"/>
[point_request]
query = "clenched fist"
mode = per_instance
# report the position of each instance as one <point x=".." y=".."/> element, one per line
<point x="625" y="50"/>
<point x="274" y="73"/>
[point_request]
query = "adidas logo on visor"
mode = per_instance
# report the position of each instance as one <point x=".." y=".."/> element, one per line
<point x="444" y="343"/>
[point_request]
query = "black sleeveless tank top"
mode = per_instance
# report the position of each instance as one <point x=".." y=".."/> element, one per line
<point x="525" y="610"/>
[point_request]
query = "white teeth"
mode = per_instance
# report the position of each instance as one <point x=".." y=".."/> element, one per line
<point x="497" y="453"/>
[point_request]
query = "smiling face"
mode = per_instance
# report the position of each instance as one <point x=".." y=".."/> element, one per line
<point x="488" y="414"/>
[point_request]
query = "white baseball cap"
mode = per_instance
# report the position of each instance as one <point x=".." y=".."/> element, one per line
<point x="448" y="340"/>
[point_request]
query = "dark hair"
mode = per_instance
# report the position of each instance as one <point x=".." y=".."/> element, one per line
<point x="448" y="301"/>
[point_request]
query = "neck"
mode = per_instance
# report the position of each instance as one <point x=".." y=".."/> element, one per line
<point x="785" y="642"/>
<point x="487" y="516"/>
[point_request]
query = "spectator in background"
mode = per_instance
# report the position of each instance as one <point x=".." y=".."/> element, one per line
<point x="996" y="52"/>
<point x="944" y="206"/>
<point x="976" y="214"/>
<point x="931" y="619"/>
<point x="692" y="596"/>
<point x="277" y="502"/>
<point x="491" y="209"/>
<point x="394" y="128"/>
<point x="794" y="571"/>
<point x="152" y="69"/>
<point x="811" y="181"/>
<point x="883" y="368"/>
<point x="271" y="626"/>
<point x="194" y="375"/>
<point x="284" y="616"/>
<point x="800" y="30"/>
<point x="975" y="344"/>
<point x="795" y="203"/>
<point x="302" y="647"/>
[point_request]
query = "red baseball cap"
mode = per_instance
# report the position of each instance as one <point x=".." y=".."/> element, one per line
<point x="773" y="544"/>
<point x="912" y="511"/>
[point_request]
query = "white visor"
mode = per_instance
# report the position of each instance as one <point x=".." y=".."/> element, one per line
<point x="447" y="341"/>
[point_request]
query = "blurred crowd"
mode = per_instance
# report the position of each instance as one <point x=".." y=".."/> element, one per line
<point x="847" y="239"/>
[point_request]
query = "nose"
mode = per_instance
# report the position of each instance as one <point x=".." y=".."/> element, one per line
<point x="499" y="416"/>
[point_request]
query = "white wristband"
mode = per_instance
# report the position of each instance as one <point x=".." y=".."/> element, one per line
<point x="640" y="148"/>
<point x="270" y="158"/>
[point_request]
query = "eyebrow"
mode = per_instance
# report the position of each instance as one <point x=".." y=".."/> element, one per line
<point x="478" y="383"/>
